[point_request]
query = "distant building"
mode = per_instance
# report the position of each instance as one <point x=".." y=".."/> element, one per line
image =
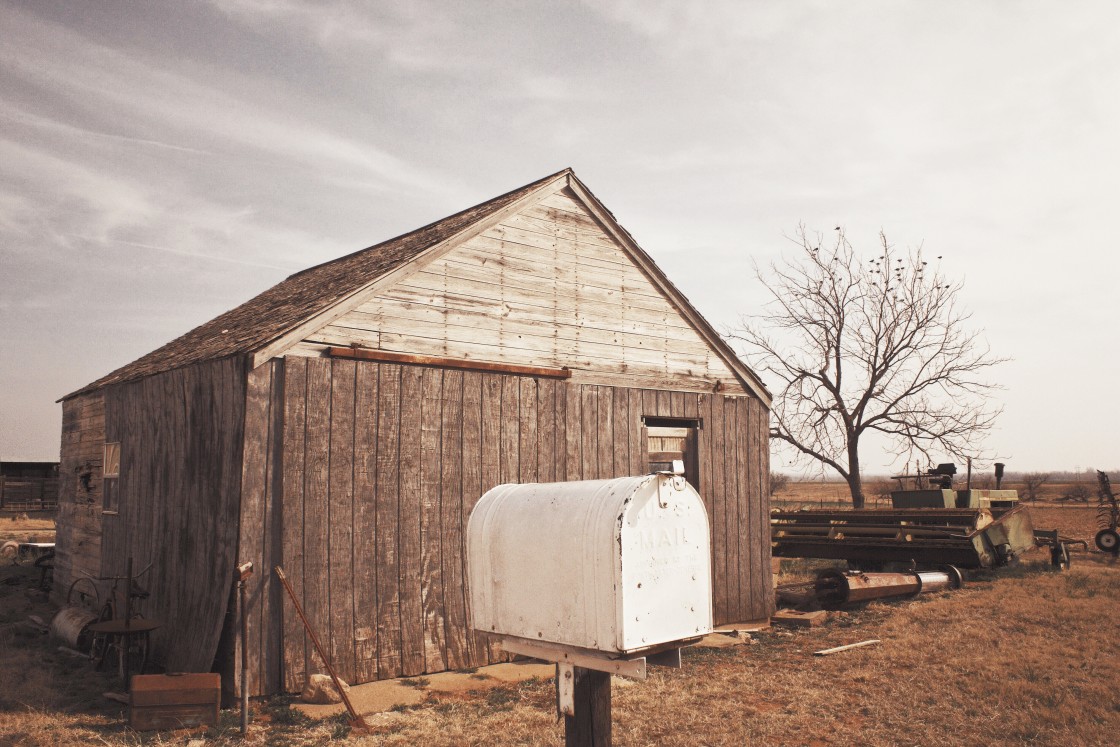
<point x="28" y="486"/>
<point x="344" y="422"/>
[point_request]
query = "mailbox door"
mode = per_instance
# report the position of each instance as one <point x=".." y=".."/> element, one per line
<point x="665" y="566"/>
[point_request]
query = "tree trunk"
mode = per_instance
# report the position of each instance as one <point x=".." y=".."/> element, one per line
<point x="855" y="479"/>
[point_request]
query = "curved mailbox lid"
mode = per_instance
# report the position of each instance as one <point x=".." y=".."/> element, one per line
<point x="605" y="565"/>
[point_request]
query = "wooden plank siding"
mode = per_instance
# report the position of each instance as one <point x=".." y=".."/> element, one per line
<point x="423" y="445"/>
<point x="547" y="286"/>
<point x="292" y="521"/>
<point x="78" y="539"/>
<point x="179" y="490"/>
<point x="410" y="523"/>
<point x="259" y="538"/>
<point x="387" y="542"/>
<point x="431" y="535"/>
<point x="365" y="523"/>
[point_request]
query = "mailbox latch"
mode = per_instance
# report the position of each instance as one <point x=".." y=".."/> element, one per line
<point x="677" y="476"/>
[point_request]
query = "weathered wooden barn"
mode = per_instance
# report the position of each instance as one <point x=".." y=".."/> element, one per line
<point x="344" y="422"/>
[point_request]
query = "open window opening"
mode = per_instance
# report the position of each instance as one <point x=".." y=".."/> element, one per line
<point x="673" y="439"/>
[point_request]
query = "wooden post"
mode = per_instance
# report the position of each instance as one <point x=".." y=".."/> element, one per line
<point x="242" y="573"/>
<point x="591" y="726"/>
<point x="126" y="639"/>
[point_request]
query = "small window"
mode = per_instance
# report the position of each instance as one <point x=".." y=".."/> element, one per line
<point x="672" y="440"/>
<point x="112" y="463"/>
<point x="110" y="473"/>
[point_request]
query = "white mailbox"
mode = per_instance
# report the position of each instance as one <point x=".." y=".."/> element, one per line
<point x="612" y="567"/>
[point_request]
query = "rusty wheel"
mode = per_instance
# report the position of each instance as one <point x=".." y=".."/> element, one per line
<point x="1108" y="540"/>
<point x="83" y="592"/>
<point x="99" y="648"/>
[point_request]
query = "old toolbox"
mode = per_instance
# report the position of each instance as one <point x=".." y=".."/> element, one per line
<point x="174" y="701"/>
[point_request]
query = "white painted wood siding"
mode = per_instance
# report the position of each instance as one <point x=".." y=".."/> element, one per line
<point x="545" y="287"/>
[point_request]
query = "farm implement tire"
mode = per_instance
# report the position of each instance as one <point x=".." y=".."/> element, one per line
<point x="1108" y="540"/>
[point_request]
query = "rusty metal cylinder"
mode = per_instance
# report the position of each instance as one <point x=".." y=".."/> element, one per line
<point x="932" y="581"/>
<point x="71" y="626"/>
<point x="835" y="588"/>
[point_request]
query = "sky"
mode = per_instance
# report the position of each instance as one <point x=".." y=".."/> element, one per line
<point x="162" y="162"/>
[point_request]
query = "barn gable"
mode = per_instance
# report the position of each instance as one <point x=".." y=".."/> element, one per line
<point x="548" y="284"/>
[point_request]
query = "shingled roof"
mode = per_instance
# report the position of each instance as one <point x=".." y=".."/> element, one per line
<point x="269" y="315"/>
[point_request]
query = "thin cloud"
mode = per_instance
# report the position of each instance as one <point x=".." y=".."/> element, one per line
<point x="410" y="35"/>
<point x="703" y="26"/>
<point x="192" y="254"/>
<point x="73" y="68"/>
<point x="106" y="202"/>
<point x="21" y="116"/>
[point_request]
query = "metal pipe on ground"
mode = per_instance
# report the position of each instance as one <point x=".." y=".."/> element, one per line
<point x="834" y="588"/>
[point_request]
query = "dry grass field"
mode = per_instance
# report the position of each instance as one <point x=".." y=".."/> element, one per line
<point x="1023" y="656"/>
<point x="22" y="528"/>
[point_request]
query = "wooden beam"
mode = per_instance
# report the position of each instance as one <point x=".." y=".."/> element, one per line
<point x="599" y="661"/>
<point x="365" y="354"/>
<point x="849" y="647"/>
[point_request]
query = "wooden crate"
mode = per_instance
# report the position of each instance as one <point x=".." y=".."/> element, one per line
<point x="174" y="701"/>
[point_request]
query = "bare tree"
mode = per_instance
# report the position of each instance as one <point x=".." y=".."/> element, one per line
<point x="879" y="490"/>
<point x="779" y="481"/>
<point x="1032" y="483"/>
<point x="1079" y="493"/>
<point x="869" y="346"/>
